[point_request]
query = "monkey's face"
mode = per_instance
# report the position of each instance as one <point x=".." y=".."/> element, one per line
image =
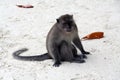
<point x="66" y="23"/>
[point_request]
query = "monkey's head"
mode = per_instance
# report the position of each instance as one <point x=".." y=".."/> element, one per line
<point x="66" y="23"/>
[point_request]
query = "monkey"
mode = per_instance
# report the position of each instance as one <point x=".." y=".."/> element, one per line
<point x="61" y="43"/>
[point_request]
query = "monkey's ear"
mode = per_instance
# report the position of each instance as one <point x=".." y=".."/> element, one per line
<point x="57" y="20"/>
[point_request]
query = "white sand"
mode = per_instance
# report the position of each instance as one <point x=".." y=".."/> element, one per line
<point x="28" y="28"/>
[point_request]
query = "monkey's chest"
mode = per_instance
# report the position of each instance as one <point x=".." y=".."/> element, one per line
<point x="67" y="38"/>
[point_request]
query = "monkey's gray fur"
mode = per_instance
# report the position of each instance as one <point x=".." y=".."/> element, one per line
<point x="59" y="43"/>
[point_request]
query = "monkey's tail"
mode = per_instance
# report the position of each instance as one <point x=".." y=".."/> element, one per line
<point x="42" y="57"/>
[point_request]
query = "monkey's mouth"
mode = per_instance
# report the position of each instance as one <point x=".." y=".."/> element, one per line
<point x="67" y="30"/>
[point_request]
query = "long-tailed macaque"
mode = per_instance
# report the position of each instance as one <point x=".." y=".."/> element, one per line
<point x="61" y="43"/>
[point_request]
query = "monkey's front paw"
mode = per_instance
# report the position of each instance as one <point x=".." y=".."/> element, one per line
<point x="56" y="64"/>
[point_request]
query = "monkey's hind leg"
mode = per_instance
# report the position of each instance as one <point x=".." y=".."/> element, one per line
<point x="67" y="53"/>
<point x="77" y="58"/>
<point x="74" y="51"/>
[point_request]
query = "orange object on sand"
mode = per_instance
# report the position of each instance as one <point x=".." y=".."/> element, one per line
<point x="94" y="35"/>
<point x="25" y="6"/>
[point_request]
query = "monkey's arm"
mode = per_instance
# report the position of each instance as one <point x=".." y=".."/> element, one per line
<point x="78" y="43"/>
<point x="56" y="55"/>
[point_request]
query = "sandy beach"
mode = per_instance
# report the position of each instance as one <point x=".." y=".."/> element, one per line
<point x="28" y="28"/>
